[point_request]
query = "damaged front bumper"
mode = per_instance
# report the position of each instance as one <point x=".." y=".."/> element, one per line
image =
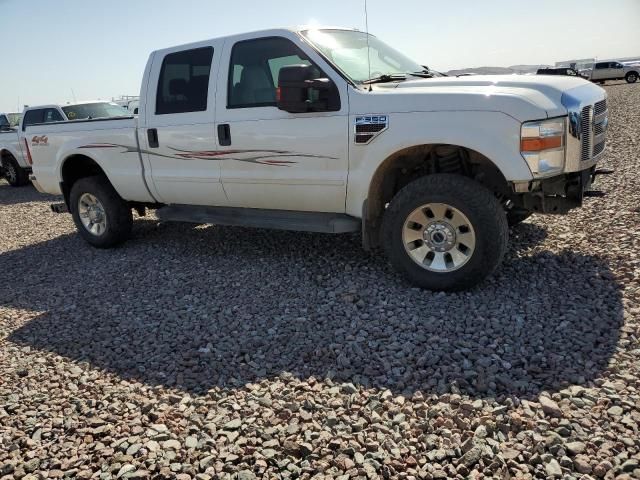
<point x="557" y="194"/>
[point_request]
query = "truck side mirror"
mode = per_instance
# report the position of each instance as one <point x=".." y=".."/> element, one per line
<point x="299" y="92"/>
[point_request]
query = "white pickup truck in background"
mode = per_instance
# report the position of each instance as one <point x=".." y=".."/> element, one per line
<point x="9" y="120"/>
<point x="14" y="151"/>
<point x="294" y="129"/>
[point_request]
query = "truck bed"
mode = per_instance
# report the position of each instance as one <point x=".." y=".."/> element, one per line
<point x="111" y="142"/>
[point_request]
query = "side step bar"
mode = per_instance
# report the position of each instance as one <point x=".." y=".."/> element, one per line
<point x="258" y="218"/>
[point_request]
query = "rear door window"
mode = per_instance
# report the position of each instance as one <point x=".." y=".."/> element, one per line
<point x="601" y="66"/>
<point x="183" y="85"/>
<point x="33" y="117"/>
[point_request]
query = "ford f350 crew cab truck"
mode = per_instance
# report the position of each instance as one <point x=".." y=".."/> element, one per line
<point x="293" y="129"/>
<point x="14" y="154"/>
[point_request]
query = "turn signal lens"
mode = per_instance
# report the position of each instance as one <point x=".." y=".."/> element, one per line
<point x="540" y="143"/>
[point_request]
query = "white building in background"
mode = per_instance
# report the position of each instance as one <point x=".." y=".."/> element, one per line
<point x="130" y="102"/>
<point x="577" y="64"/>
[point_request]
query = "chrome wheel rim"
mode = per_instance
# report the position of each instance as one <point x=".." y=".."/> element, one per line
<point x="92" y="214"/>
<point x="439" y="237"/>
<point x="12" y="176"/>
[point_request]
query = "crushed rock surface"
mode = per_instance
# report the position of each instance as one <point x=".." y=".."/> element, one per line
<point x="218" y="352"/>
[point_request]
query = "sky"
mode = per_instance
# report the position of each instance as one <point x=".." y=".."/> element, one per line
<point x="54" y="50"/>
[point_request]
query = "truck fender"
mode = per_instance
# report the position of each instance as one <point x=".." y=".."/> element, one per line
<point x="474" y="131"/>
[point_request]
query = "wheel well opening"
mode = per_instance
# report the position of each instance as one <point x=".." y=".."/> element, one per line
<point x="75" y="168"/>
<point x="6" y="154"/>
<point x="409" y="164"/>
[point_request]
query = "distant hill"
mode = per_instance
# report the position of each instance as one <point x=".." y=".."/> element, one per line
<point x="515" y="68"/>
<point x="497" y="70"/>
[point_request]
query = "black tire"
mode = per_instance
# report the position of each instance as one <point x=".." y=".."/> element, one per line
<point x="14" y="173"/>
<point x="119" y="218"/>
<point x="515" y="217"/>
<point x="477" y="203"/>
<point x="631" y="77"/>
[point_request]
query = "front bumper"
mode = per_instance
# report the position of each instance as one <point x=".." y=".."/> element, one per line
<point x="556" y="194"/>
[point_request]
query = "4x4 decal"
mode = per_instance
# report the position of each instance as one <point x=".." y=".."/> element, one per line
<point x="42" y="141"/>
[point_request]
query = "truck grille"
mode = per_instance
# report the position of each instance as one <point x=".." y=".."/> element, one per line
<point x="600" y="107"/>
<point x="586" y="134"/>
<point x="598" y="149"/>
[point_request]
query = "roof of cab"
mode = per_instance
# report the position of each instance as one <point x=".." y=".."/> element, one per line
<point x="257" y="33"/>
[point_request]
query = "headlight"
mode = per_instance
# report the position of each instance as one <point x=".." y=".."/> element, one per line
<point x="542" y="145"/>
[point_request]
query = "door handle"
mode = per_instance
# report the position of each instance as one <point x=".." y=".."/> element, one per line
<point x="152" y="136"/>
<point x="224" y="134"/>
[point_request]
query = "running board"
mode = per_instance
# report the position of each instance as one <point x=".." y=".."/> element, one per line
<point x="250" y="217"/>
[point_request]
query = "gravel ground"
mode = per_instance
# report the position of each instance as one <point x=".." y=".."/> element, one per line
<point x="231" y="353"/>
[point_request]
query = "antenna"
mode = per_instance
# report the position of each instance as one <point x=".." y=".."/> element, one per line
<point x="366" y="23"/>
<point x="74" y="95"/>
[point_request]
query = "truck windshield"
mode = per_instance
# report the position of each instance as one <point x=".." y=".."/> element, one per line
<point x="347" y="50"/>
<point x="86" y="111"/>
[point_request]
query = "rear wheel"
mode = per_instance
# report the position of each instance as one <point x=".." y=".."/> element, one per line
<point x="445" y="232"/>
<point x="15" y="175"/>
<point x="101" y="216"/>
<point x="632" y="77"/>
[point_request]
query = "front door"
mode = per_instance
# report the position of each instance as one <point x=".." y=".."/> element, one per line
<point x="274" y="159"/>
<point x="178" y="142"/>
<point x="617" y="70"/>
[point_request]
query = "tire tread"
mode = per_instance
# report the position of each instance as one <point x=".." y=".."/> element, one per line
<point x="119" y="216"/>
<point x="455" y="190"/>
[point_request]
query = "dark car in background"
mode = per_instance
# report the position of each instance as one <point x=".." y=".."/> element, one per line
<point x="558" y="71"/>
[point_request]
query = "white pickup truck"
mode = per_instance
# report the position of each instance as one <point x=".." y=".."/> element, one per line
<point x="14" y="153"/>
<point x="294" y="129"/>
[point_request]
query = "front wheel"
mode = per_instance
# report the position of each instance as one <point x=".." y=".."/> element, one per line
<point x="101" y="216"/>
<point x="632" y="77"/>
<point x="15" y="175"/>
<point x="445" y="232"/>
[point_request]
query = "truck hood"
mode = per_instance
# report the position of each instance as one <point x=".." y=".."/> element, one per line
<point x="524" y="97"/>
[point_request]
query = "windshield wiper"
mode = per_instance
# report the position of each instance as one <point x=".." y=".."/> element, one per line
<point x="422" y="74"/>
<point x="394" y="77"/>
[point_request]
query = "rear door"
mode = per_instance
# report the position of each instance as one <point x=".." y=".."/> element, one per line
<point x="600" y="71"/>
<point x="178" y="142"/>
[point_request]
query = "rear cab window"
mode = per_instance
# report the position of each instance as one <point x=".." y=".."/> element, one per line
<point x="52" y="115"/>
<point x="183" y="85"/>
<point x="88" y="111"/>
